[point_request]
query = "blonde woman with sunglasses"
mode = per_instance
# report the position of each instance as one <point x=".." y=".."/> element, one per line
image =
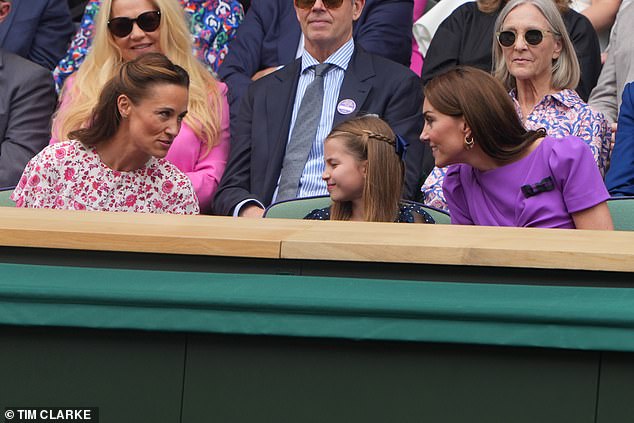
<point x="535" y="60"/>
<point x="125" y="30"/>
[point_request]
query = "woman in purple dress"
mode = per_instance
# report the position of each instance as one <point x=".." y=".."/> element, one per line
<point x="502" y="174"/>
<point x="535" y="60"/>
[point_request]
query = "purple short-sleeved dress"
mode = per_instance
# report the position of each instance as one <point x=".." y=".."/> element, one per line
<point x="556" y="179"/>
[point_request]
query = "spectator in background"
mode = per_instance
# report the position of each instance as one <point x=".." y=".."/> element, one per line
<point x="601" y="14"/>
<point x="116" y="163"/>
<point x="416" y="64"/>
<point x="535" y="60"/>
<point x="500" y="173"/>
<point x="38" y="30"/>
<point x="618" y="69"/>
<point x="77" y="9"/>
<point x="464" y="38"/>
<point x="126" y="29"/>
<point x="543" y="92"/>
<point x="270" y="37"/>
<point x="27" y="101"/>
<point x="426" y="26"/>
<point x="277" y="145"/>
<point x="212" y="24"/>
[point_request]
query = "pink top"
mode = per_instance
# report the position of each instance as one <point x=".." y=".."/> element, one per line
<point x="71" y="176"/>
<point x="187" y="152"/>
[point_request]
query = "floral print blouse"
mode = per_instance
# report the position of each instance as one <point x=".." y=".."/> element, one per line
<point x="561" y="114"/>
<point x="212" y="23"/>
<point x="71" y="176"/>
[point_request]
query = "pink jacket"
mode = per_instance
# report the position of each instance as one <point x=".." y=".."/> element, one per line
<point x="187" y="153"/>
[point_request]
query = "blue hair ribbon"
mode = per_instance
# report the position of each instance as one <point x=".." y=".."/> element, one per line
<point x="400" y="146"/>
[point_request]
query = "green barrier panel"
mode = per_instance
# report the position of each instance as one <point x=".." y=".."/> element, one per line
<point x="493" y="314"/>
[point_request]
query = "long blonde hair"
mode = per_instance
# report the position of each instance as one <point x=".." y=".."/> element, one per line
<point x="370" y="138"/>
<point x="104" y="61"/>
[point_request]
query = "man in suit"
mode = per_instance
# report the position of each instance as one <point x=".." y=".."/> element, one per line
<point x="38" y="30"/>
<point x="357" y="83"/>
<point x="270" y="37"/>
<point x="27" y="101"/>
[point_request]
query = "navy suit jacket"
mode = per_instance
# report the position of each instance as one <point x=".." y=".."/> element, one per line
<point x="270" y="34"/>
<point x="260" y="132"/>
<point x="620" y="176"/>
<point x="38" y="30"/>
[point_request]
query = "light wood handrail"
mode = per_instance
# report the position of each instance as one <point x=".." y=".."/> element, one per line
<point x="297" y="239"/>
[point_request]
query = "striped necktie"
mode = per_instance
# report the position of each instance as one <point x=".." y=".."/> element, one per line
<point x="303" y="135"/>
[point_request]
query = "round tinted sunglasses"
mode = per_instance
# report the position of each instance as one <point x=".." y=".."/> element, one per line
<point x="532" y="37"/>
<point x="147" y="21"/>
<point x="308" y="4"/>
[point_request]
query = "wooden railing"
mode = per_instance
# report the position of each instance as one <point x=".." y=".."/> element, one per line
<point x="299" y="239"/>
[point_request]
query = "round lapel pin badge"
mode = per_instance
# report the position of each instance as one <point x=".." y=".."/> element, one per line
<point x="347" y="106"/>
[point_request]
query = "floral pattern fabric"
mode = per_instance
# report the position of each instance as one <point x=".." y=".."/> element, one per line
<point x="561" y="114"/>
<point x="71" y="176"/>
<point x="212" y="23"/>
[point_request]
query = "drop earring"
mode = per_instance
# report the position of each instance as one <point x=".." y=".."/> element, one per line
<point x="468" y="142"/>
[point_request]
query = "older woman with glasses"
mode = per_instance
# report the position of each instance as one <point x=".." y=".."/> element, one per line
<point x="535" y="60"/>
<point x="125" y="30"/>
<point x="464" y="38"/>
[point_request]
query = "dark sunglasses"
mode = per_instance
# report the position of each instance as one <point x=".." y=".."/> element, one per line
<point x="532" y="36"/>
<point x="308" y="4"/>
<point x="147" y="21"/>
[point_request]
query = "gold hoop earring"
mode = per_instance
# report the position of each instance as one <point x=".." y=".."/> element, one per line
<point x="468" y="142"/>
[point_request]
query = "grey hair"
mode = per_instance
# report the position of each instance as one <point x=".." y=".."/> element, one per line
<point x="565" y="72"/>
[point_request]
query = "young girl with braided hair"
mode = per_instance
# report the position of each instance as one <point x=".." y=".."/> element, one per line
<point x="364" y="174"/>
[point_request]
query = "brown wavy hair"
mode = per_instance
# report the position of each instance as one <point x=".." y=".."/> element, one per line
<point x="487" y="109"/>
<point x="134" y="80"/>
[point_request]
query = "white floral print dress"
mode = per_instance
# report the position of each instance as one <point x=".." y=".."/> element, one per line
<point x="71" y="176"/>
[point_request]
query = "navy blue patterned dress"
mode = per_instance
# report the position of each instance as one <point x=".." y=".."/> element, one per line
<point x="408" y="213"/>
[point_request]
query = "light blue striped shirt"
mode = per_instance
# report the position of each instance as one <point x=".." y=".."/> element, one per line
<point x="310" y="182"/>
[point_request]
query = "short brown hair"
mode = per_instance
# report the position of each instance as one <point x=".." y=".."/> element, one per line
<point x="487" y="109"/>
<point x="370" y="138"/>
<point x="134" y="80"/>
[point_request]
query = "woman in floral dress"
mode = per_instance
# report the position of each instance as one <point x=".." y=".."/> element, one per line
<point x="117" y="162"/>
